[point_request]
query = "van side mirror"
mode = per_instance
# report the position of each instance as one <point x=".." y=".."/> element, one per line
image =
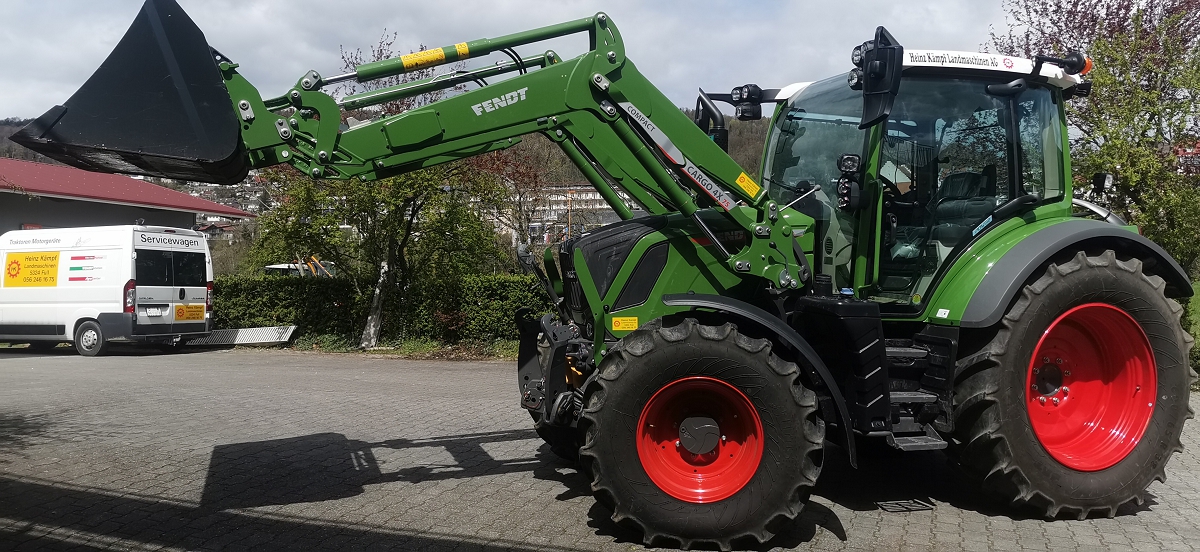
<point x="1101" y="182"/>
<point x="879" y="64"/>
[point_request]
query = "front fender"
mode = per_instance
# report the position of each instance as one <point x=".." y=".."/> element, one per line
<point x="785" y="333"/>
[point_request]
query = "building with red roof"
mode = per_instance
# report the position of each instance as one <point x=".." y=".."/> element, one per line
<point x="37" y="195"/>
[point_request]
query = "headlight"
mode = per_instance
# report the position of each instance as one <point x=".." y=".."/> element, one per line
<point x="736" y="94"/>
<point x="848" y="163"/>
<point x="855" y="79"/>
<point x="856" y="56"/>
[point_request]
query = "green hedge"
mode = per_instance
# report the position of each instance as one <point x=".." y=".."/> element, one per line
<point x="490" y="303"/>
<point x="476" y="308"/>
<point x="316" y="305"/>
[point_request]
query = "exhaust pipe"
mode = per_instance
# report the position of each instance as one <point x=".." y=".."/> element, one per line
<point x="158" y="106"/>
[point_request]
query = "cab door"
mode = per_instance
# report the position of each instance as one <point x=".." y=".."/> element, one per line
<point x="955" y="150"/>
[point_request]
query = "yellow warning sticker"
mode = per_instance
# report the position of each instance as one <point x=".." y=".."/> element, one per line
<point x="624" y="323"/>
<point x="748" y="185"/>
<point x="35" y="269"/>
<point x="189" y="312"/>
<point x="420" y="59"/>
<point x="463" y="51"/>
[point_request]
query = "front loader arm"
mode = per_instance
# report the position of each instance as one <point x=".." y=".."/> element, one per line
<point x="620" y="131"/>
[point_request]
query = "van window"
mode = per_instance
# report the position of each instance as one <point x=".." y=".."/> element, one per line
<point x="152" y="268"/>
<point x="189" y="269"/>
<point x="170" y="268"/>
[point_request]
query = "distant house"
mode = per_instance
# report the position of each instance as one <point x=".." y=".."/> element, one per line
<point x="37" y="195"/>
<point x="226" y="231"/>
<point x="1189" y="158"/>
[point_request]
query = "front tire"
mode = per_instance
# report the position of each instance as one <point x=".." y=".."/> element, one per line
<point x="89" y="339"/>
<point x="700" y="435"/>
<point x="1077" y="401"/>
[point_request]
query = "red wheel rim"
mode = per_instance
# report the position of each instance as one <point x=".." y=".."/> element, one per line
<point x="1091" y="386"/>
<point x="709" y="476"/>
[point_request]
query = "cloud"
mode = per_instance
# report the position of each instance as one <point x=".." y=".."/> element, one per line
<point x="52" y="47"/>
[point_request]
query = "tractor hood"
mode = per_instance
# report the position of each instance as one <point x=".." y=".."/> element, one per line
<point x="157" y="106"/>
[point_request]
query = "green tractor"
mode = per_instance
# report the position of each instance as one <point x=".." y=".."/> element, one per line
<point x="910" y="266"/>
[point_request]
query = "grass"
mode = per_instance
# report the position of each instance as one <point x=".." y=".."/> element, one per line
<point x="417" y="349"/>
<point x="1195" y="307"/>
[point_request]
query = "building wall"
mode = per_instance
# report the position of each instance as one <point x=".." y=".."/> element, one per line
<point x="18" y="209"/>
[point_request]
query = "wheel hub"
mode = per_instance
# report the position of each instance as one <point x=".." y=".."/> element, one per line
<point x="700" y="439"/>
<point x="1091" y="387"/>
<point x="1048" y="380"/>
<point x="699" y="435"/>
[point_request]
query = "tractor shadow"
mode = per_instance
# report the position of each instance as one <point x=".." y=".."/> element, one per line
<point x="329" y="466"/>
<point x="888" y="475"/>
<point x="801" y="531"/>
<point x="19" y="431"/>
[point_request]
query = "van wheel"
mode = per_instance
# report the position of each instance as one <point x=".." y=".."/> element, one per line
<point x="89" y="339"/>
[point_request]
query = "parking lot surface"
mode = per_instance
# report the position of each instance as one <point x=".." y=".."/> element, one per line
<point x="278" y="450"/>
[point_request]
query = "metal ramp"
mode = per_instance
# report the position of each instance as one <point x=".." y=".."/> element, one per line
<point x="270" y="335"/>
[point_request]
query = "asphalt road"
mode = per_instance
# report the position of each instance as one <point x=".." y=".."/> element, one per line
<point x="273" y="450"/>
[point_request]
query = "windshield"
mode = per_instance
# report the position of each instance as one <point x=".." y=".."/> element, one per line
<point x="816" y="127"/>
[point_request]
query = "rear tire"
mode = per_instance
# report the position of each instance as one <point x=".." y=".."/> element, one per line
<point x="89" y="339"/>
<point x="1022" y="432"/>
<point x="756" y="481"/>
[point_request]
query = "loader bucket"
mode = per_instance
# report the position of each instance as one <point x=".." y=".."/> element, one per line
<point x="157" y="106"/>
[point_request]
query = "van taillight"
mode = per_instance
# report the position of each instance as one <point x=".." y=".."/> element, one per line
<point x="130" y="295"/>
<point x="208" y="298"/>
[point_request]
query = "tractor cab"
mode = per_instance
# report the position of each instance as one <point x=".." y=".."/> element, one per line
<point x="970" y="140"/>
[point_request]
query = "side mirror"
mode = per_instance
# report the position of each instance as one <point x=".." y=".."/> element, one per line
<point x="877" y="73"/>
<point x="1101" y="182"/>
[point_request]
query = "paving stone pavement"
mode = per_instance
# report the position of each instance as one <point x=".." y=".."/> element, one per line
<point x="250" y="449"/>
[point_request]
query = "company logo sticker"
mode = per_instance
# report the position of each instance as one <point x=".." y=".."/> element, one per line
<point x="749" y="186"/>
<point x="624" y="323"/>
<point x="34" y="269"/>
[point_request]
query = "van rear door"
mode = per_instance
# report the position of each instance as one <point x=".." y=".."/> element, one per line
<point x="155" y="291"/>
<point x="190" y="292"/>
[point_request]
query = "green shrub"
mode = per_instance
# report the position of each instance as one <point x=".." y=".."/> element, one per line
<point x="489" y="304"/>
<point x="315" y="305"/>
<point x="474" y="308"/>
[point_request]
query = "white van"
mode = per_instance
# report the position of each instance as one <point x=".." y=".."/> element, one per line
<point x="90" y="286"/>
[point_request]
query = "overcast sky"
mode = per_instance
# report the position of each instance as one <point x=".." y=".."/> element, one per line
<point x="51" y="47"/>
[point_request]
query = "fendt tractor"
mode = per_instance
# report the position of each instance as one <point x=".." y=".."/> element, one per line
<point x="909" y="267"/>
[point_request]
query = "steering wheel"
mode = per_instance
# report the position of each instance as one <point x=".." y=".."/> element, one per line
<point x="891" y="186"/>
<point x="896" y="193"/>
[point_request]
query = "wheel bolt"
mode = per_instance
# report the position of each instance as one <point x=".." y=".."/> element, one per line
<point x="1034" y="387"/>
<point x="1045" y="360"/>
<point x="1042" y="400"/>
<point x="1066" y="372"/>
<point x="676" y="443"/>
<point x="1058" y="361"/>
<point x="1055" y="401"/>
<point x="1036" y="371"/>
<point x="1066" y="389"/>
<point x="722" y="438"/>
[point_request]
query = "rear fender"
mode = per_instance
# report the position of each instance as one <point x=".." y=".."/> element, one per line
<point x="1000" y="284"/>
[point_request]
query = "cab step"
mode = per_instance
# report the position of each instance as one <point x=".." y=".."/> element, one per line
<point x="930" y="440"/>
